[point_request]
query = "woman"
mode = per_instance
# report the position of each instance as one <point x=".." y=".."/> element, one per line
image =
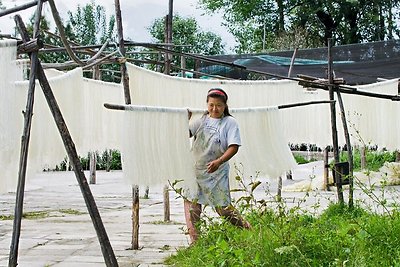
<point x="216" y="140"/>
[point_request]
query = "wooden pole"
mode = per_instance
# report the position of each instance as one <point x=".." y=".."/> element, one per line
<point x="19" y="201"/>
<point x="349" y="148"/>
<point x="135" y="217"/>
<point x="196" y="68"/>
<point x="167" y="61"/>
<point x="125" y="77"/>
<point x="167" y="212"/>
<point x="168" y="64"/>
<point x="363" y="153"/>
<point x="105" y="245"/>
<point x="279" y="192"/>
<point x="333" y="122"/>
<point x="168" y="36"/>
<point x="289" y="175"/>
<point x="125" y="82"/>
<point x="326" y="169"/>
<point x="19" y="8"/>
<point x="92" y="167"/>
<point x="183" y="66"/>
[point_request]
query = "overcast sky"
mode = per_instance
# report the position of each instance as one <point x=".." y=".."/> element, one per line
<point x="137" y="15"/>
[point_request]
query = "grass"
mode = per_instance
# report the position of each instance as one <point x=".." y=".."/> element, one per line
<point x="302" y="160"/>
<point x="374" y="159"/>
<point x="33" y="215"/>
<point x="340" y="236"/>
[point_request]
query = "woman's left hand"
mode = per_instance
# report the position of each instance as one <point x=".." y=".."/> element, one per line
<point x="213" y="165"/>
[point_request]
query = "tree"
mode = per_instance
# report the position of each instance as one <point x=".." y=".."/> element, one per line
<point x="88" y="25"/>
<point x="264" y="22"/>
<point x="188" y="37"/>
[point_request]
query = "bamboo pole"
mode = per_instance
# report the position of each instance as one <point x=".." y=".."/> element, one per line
<point x="129" y="107"/>
<point x="19" y="201"/>
<point x="105" y="245"/>
<point x="333" y="123"/>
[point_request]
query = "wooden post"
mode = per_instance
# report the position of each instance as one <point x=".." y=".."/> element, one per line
<point x="167" y="213"/>
<point x="125" y="82"/>
<point x="168" y="62"/>
<point x="289" y="175"/>
<point x="397" y="156"/>
<point x="96" y="72"/>
<point x="146" y="193"/>
<point x="196" y="68"/>
<point x="135" y="217"/>
<point x="105" y="245"/>
<point x="159" y="57"/>
<point x="349" y="148"/>
<point x="279" y="192"/>
<point x="92" y="155"/>
<point x="326" y="169"/>
<point x="125" y="77"/>
<point x="183" y="66"/>
<point x="19" y="8"/>
<point x="19" y="201"/>
<point x="167" y="59"/>
<point x="333" y="122"/>
<point x="363" y="158"/>
<point x="92" y="167"/>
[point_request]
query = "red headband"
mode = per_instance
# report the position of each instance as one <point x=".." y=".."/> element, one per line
<point x="217" y="92"/>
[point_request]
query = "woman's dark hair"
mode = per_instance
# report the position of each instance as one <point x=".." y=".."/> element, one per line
<point x="221" y="94"/>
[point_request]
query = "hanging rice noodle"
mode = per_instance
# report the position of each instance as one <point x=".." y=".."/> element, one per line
<point x="307" y="124"/>
<point x="156" y="145"/>
<point x="9" y="136"/>
<point x="102" y="126"/>
<point x="46" y="147"/>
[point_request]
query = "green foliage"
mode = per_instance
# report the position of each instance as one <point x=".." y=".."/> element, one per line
<point x="188" y="38"/>
<point x="259" y="25"/>
<point x="109" y="159"/>
<point x="374" y="159"/>
<point x="340" y="236"/>
<point x="89" y="25"/>
<point x="302" y="160"/>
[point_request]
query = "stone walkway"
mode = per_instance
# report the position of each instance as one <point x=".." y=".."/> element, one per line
<point x="64" y="235"/>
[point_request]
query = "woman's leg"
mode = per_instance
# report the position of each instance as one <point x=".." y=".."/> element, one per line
<point x="233" y="216"/>
<point x="192" y="216"/>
